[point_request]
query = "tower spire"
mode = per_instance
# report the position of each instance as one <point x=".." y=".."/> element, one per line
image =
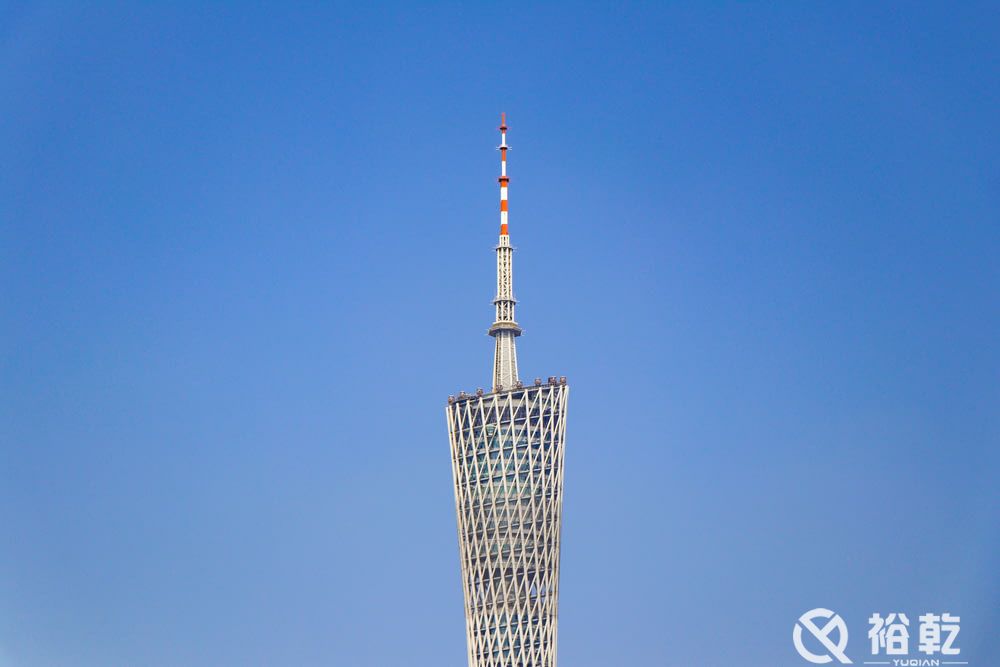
<point x="505" y="328"/>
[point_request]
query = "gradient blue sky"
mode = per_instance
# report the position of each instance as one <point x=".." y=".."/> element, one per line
<point x="246" y="254"/>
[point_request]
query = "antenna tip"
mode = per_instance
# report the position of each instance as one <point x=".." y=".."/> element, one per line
<point x="503" y="121"/>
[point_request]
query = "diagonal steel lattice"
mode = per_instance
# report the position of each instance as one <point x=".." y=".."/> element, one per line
<point x="507" y="458"/>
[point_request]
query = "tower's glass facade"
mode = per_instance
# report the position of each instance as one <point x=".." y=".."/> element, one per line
<point x="507" y="458"/>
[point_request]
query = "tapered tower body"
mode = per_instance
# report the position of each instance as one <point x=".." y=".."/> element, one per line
<point x="507" y="450"/>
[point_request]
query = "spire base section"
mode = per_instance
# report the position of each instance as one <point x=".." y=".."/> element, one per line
<point x="504" y="326"/>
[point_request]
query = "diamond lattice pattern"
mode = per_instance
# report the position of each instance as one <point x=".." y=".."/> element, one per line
<point x="507" y="458"/>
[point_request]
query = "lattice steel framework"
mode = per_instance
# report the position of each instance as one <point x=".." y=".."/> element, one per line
<point x="507" y="460"/>
<point x="507" y="450"/>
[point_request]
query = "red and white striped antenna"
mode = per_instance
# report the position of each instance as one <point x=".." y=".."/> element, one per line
<point x="503" y="174"/>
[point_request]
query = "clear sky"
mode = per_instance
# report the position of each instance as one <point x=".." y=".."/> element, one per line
<point x="246" y="252"/>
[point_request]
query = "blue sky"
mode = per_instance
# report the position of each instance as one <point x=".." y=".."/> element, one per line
<point x="246" y="254"/>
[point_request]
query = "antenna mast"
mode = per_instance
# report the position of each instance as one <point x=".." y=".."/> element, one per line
<point x="505" y="328"/>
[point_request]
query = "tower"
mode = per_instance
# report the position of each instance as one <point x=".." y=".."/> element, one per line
<point x="507" y="450"/>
